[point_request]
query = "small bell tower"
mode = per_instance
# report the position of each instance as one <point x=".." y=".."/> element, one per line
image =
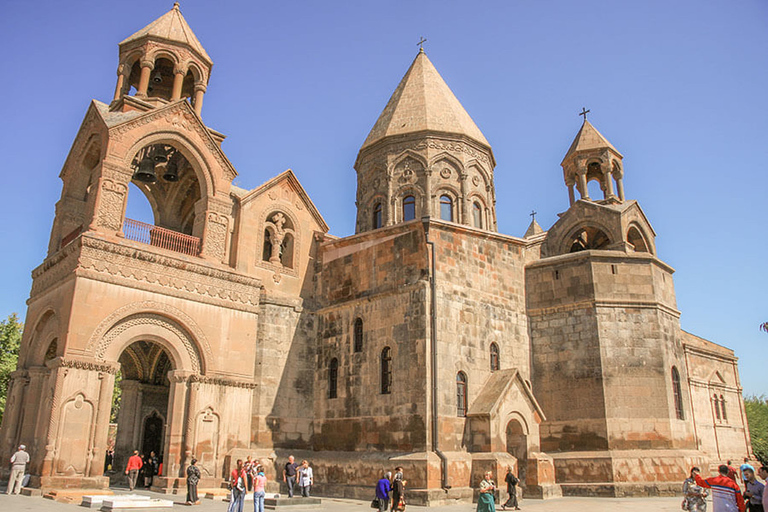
<point x="161" y="63"/>
<point x="592" y="157"/>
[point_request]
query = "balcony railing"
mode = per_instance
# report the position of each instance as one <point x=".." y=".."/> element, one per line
<point x="161" y="237"/>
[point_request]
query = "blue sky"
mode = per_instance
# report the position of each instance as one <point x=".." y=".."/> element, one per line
<point x="678" y="87"/>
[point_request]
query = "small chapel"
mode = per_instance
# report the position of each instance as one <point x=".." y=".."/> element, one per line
<point x="235" y="325"/>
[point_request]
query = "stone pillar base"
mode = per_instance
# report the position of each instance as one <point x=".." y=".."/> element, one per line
<point x="55" y="483"/>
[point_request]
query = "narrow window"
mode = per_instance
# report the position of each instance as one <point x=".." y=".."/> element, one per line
<point x="613" y="269"/>
<point x="717" y="406"/>
<point x="722" y="408"/>
<point x="678" y="394"/>
<point x="333" y="378"/>
<point x="494" y="357"/>
<point x="461" y="394"/>
<point x="477" y="214"/>
<point x="409" y="208"/>
<point x="386" y="371"/>
<point x="446" y="208"/>
<point x="358" y="335"/>
<point x="557" y="274"/>
<point x="377" y="216"/>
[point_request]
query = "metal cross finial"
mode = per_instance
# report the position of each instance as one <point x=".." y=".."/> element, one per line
<point x="584" y="113"/>
<point x="420" y="44"/>
<point x="533" y="215"/>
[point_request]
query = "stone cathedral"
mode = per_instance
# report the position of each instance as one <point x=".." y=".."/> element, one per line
<point x="237" y="325"/>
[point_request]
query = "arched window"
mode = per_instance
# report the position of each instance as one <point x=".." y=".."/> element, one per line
<point x="716" y="402"/>
<point x="494" y="357"/>
<point x="377" y="218"/>
<point x="722" y="408"/>
<point x="386" y="371"/>
<point x="333" y="378"/>
<point x="409" y="208"/>
<point x="358" y="335"/>
<point x="461" y="394"/>
<point x="678" y="394"/>
<point x="477" y="214"/>
<point x="446" y="208"/>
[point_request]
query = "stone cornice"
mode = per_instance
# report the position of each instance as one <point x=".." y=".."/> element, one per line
<point x="84" y="364"/>
<point x="431" y="140"/>
<point x="594" y="304"/>
<point x="144" y="267"/>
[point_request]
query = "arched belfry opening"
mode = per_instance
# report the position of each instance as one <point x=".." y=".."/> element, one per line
<point x="588" y="238"/>
<point x="140" y="401"/>
<point x="279" y="240"/>
<point x="169" y="182"/>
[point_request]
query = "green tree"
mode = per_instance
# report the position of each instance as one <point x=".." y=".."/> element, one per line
<point x="10" y="339"/>
<point x="757" y="416"/>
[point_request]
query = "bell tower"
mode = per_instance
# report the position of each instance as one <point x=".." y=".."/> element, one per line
<point x="161" y="63"/>
<point x="592" y="158"/>
<point x="425" y="157"/>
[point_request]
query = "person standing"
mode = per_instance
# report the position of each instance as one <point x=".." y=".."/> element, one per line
<point x="726" y="495"/>
<point x="151" y="469"/>
<point x="132" y="469"/>
<point x="259" y="484"/>
<point x="753" y="490"/>
<point x="763" y="472"/>
<point x="744" y="466"/>
<point x="306" y="478"/>
<point x="398" y="490"/>
<point x="486" y="501"/>
<point x="732" y="473"/>
<point x="290" y="474"/>
<point x="383" y="488"/>
<point x="511" y="481"/>
<point x="193" y="478"/>
<point x="19" y="462"/>
<point x="237" y="484"/>
<point x="694" y="496"/>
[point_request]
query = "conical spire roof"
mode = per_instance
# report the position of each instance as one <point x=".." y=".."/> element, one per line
<point x="423" y="101"/>
<point x="533" y="229"/>
<point x="589" y="138"/>
<point x="171" y="26"/>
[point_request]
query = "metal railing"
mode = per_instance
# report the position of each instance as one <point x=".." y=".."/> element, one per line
<point x="161" y="237"/>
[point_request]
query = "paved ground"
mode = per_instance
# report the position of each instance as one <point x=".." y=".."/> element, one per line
<point x="23" y="503"/>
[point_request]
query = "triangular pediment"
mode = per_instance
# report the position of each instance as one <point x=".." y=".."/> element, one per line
<point x="93" y="121"/>
<point x="500" y="387"/>
<point x="286" y="180"/>
<point x="181" y="115"/>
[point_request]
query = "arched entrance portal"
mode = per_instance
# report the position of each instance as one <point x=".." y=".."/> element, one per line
<point x="141" y="405"/>
<point x="517" y="446"/>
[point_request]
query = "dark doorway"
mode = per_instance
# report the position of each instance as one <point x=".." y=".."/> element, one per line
<point x="152" y="435"/>
<point x="517" y="446"/>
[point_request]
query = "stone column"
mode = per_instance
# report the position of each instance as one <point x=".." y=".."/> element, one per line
<point x="56" y="379"/>
<point x="178" y="80"/>
<point x="122" y="75"/>
<point x="200" y="89"/>
<point x="189" y="429"/>
<point x="619" y="176"/>
<point x="462" y="212"/>
<point x="173" y="458"/>
<point x="608" y="184"/>
<point x="146" y="69"/>
<point x="106" y="389"/>
<point x="12" y="416"/>
<point x="582" y="176"/>
<point x="126" y="422"/>
<point x="427" y="201"/>
<point x="571" y="194"/>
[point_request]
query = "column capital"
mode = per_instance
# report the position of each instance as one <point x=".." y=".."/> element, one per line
<point x="200" y="86"/>
<point x="146" y="63"/>
<point x="178" y="69"/>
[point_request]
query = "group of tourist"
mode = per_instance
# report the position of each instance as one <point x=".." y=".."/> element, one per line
<point x="727" y="494"/>
<point x="486" y="501"/>
<point x="146" y="466"/>
<point x="249" y="477"/>
<point x="394" y="485"/>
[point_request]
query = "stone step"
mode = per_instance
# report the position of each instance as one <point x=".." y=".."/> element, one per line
<point x="97" y="500"/>
<point x="291" y="503"/>
<point x="135" y="505"/>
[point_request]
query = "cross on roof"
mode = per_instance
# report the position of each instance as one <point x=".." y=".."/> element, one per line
<point x="420" y="44"/>
<point x="584" y="113"/>
<point x="533" y="215"/>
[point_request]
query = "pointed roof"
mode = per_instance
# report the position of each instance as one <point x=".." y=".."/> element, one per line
<point x="423" y="101"/>
<point x="171" y="26"/>
<point x="589" y="138"/>
<point x="533" y="229"/>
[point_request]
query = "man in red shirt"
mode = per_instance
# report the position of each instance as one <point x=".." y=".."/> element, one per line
<point x="726" y="494"/>
<point x="132" y="469"/>
<point x="237" y="481"/>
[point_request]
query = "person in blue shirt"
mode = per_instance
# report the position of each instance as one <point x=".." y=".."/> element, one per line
<point x="383" y="488"/>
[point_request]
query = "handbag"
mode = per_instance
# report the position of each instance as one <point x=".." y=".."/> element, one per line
<point x="400" y="504"/>
<point x="375" y="503"/>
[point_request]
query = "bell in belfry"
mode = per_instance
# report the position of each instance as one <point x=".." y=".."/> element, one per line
<point x="146" y="171"/>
